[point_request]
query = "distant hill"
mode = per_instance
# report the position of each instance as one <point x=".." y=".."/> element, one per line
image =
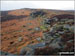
<point x="22" y="13"/>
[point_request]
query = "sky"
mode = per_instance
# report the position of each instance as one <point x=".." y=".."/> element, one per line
<point x="59" y="5"/>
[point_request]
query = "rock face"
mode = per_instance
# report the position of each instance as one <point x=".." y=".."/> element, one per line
<point x="47" y="33"/>
<point x="56" y="39"/>
<point x="38" y="13"/>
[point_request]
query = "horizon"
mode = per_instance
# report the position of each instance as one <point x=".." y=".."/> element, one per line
<point x="36" y="9"/>
<point x="53" y="5"/>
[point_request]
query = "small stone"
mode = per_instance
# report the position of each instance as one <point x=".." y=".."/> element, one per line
<point x="37" y="29"/>
<point x="38" y="38"/>
<point x="20" y="39"/>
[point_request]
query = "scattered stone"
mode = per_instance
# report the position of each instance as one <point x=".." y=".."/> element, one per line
<point x="55" y="18"/>
<point x="20" y="39"/>
<point x="37" y="13"/>
<point x="67" y="26"/>
<point x="37" y="29"/>
<point x="38" y="38"/>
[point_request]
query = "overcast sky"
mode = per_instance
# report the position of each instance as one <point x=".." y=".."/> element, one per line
<point x="60" y="5"/>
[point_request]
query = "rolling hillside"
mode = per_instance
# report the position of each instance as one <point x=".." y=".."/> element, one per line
<point x="23" y="27"/>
